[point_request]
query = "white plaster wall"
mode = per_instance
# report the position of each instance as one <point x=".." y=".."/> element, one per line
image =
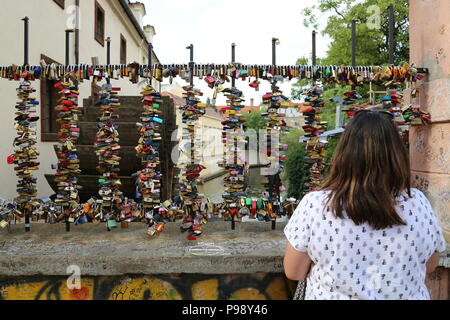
<point x="48" y="23"/>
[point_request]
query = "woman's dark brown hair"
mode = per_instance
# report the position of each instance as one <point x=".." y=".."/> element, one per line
<point x="370" y="169"/>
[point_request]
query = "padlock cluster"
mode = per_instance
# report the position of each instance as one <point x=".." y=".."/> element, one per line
<point x="275" y="126"/>
<point x="68" y="167"/>
<point x="194" y="218"/>
<point x="108" y="151"/>
<point x="351" y="103"/>
<point x="234" y="160"/>
<point x="410" y="114"/>
<point x="150" y="177"/>
<point x="25" y="152"/>
<point x="315" y="147"/>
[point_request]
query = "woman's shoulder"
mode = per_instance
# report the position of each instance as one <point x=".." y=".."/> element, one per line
<point x="416" y="194"/>
<point x="317" y="196"/>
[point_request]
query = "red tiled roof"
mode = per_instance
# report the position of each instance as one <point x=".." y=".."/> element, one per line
<point x="249" y="109"/>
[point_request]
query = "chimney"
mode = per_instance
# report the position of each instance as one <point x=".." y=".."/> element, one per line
<point x="138" y="10"/>
<point x="149" y="32"/>
<point x="252" y="102"/>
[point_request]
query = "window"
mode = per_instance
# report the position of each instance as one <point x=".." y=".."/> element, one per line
<point x="60" y="3"/>
<point x="99" y="24"/>
<point x="123" y="50"/>
<point x="49" y="100"/>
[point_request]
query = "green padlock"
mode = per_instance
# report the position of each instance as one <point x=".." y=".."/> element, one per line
<point x="259" y="204"/>
<point x="155" y="105"/>
<point x="248" y="201"/>
<point x="101" y="180"/>
<point x="112" y="224"/>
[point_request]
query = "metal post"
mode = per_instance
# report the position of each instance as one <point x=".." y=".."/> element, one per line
<point x="77" y="32"/>
<point x="391" y="33"/>
<point x="67" y="46"/>
<point x="26" y="40"/>
<point x="354" y="42"/>
<point x="274" y="63"/>
<point x="314" y="54"/>
<point x="354" y="46"/>
<point x="233" y="60"/>
<point x="25" y="63"/>
<point x="191" y="63"/>
<point x="314" y="57"/>
<point x="108" y="56"/>
<point x="274" y="51"/>
<point x="27" y="221"/>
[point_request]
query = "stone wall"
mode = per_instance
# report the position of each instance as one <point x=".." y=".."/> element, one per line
<point x="430" y="146"/>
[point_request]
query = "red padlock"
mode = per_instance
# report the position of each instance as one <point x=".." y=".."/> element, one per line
<point x="11" y="159"/>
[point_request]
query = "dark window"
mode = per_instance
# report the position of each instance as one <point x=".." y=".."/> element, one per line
<point x="123" y="50"/>
<point x="49" y="100"/>
<point x="60" y="3"/>
<point x="99" y="24"/>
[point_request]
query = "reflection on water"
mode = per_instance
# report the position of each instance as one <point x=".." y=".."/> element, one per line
<point x="214" y="189"/>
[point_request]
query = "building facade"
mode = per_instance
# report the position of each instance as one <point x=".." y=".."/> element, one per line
<point x="95" y="21"/>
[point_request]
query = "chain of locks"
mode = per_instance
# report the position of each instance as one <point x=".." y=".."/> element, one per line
<point x="193" y="203"/>
<point x="233" y="161"/>
<point x="107" y="149"/>
<point x="25" y="153"/>
<point x="149" y="178"/>
<point x="275" y="126"/>
<point x="68" y="167"/>
<point x="343" y="75"/>
<point x="314" y="127"/>
<point x="392" y="78"/>
<point x="190" y="205"/>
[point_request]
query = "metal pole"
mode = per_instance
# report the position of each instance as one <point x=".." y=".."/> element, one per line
<point x="108" y="56"/>
<point x="274" y="51"/>
<point x="354" y="46"/>
<point x="26" y="40"/>
<point x="68" y="46"/>
<point x="354" y="42"/>
<point x="274" y="63"/>
<point x="77" y="32"/>
<point x="191" y="63"/>
<point x="233" y="60"/>
<point x="25" y="63"/>
<point x="391" y="33"/>
<point x="27" y="221"/>
<point x="314" y="54"/>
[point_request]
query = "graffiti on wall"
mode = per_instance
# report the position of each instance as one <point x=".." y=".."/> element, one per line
<point x="156" y="287"/>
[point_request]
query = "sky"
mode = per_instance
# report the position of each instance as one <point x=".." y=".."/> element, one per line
<point x="212" y="25"/>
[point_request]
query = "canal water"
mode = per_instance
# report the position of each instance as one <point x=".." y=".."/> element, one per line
<point x="214" y="188"/>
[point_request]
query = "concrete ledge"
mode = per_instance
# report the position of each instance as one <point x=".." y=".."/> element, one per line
<point x="48" y="250"/>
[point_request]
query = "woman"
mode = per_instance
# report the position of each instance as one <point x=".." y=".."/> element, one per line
<point x="367" y="234"/>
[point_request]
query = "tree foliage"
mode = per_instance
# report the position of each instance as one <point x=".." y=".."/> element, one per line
<point x="296" y="174"/>
<point x="372" y="38"/>
<point x="372" y="48"/>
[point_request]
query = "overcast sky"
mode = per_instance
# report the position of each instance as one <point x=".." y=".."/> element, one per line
<point x="212" y="25"/>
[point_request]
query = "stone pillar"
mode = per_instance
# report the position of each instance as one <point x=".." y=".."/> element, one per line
<point x="430" y="145"/>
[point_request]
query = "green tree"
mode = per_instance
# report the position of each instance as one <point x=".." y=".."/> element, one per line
<point x="295" y="173"/>
<point x="255" y="120"/>
<point x="372" y="39"/>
